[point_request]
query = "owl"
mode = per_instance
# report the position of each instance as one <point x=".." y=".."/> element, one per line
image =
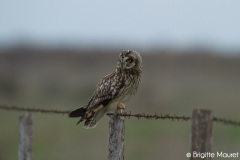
<point x="113" y="90"/>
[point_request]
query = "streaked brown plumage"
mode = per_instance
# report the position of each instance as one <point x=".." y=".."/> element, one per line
<point x="113" y="91"/>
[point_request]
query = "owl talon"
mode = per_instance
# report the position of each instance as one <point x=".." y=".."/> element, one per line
<point x="120" y="108"/>
<point x="120" y="111"/>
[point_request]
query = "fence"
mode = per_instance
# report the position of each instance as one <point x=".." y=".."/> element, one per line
<point x="201" y="130"/>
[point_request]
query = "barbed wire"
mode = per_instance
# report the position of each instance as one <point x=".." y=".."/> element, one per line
<point x="36" y="110"/>
<point x="127" y="115"/>
<point x="226" y="121"/>
<point x="155" y="116"/>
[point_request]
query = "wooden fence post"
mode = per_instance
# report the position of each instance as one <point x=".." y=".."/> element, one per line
<point x="25" y="137"/>
<point x="116" y="138"/>
<point x="201" y="134"/>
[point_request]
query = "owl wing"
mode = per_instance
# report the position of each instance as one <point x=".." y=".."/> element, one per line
<point x="107" y="90"/>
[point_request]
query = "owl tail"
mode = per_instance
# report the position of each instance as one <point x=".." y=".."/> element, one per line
<point x="90" y="117"/>
<point x="80" y="112"/>
<point x="93" y="117"/>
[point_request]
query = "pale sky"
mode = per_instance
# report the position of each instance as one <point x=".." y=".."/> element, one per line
<point x="142" y="23"/>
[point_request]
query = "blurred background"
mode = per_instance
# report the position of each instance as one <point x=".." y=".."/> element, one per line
<point x="53" y="53"/>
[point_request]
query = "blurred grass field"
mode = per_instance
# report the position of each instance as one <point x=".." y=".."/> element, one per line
<point x="172" y="83"/>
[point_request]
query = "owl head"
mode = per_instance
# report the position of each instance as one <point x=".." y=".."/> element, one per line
<point x="129" y="60"/>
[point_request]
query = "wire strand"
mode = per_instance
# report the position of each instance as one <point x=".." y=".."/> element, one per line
<point x="127" y="115"/>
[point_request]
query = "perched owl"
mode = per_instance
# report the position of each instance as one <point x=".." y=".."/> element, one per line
<point x="113" y="90"/>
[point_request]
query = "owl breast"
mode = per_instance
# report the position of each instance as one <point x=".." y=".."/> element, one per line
<point x="131" y="83"/>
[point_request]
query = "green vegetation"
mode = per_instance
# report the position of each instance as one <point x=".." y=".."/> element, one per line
<point x="173" y="84"/>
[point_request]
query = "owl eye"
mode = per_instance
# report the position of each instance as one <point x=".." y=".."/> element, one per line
<point x="129" y="60"/>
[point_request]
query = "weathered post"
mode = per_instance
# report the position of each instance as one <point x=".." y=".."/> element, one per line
<point x="116" y="138"/>
<point x="25" y="137"/>
<point x="201" y="134"/>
